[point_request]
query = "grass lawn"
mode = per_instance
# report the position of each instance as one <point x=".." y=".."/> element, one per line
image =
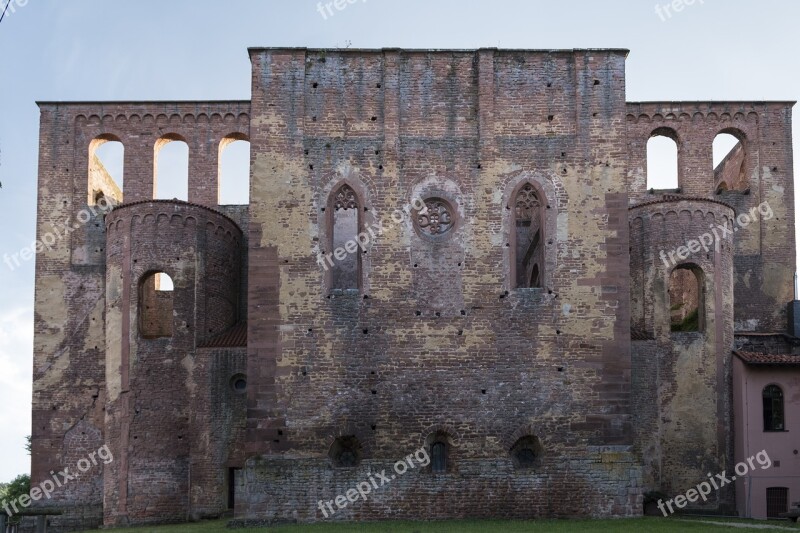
<point x="654" y="525"/>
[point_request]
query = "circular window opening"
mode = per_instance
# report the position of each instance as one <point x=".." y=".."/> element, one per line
<point x="435" y="219"/>
<point x="239" y="384"/>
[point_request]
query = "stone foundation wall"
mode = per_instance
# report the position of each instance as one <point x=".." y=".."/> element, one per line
<point x="599" y="482"/>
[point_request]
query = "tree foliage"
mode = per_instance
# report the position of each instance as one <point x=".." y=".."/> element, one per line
<point x="10" y="492"/>
<point x="21" y="486"/>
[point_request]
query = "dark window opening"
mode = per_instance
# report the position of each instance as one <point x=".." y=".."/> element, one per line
<point x="535" y="276"/>
<point x="156" y="306"/>
<point x="345" y="452"/>
<point x="232" y="487"/>
<point x="526" y="452"/>
<point x="439" y="457"/>
<point x="687" y="309"/>
<point x="345" y="272"/>
<point x="777" y="501"/>
<point x="529" y="249"/>
<point x="773" y="408"/>
<point x="239" y="384"/>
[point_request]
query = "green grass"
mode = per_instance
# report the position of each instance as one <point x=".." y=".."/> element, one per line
<point x="638" y="525"/>
<point x="690" y="323"/>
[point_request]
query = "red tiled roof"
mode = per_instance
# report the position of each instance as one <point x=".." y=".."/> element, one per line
<point x="752" y="358"/>
<point x="234" y="337"/>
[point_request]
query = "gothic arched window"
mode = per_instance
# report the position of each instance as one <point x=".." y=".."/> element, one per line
<point x="346" y="258"/>
<point x="529" y="238"/>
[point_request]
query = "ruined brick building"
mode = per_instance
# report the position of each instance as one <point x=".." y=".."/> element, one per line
<point x="518" y="325"/>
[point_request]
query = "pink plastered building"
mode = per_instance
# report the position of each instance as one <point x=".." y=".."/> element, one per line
<point x="766" y="414"/>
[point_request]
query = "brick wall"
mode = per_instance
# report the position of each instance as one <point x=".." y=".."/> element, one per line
<point x="682" y="379"/>
<point x="150" y="382"/>
<point x="595" y="482"/>
<point x="218" y="425"/>
<point x="436" y="339"/>
<point x="70" y="393"/>
<point x="765" y="264"/>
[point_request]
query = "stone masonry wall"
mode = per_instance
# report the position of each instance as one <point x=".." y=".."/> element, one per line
<point x="150" y="382"/>
<point x="437" y="339"/>
<point x="764" y="263"/>
<point x="218" y="425"/>
<point x="69" y="344"/>
<point x="682" y="380"/>
<point x="599" y="483"/>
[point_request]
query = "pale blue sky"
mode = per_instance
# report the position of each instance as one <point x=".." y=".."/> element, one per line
<point x="181" y="49"/>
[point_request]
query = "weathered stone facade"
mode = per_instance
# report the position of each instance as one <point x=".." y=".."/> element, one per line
<point x="682" y="381"/>
<point x="502" y="298"/>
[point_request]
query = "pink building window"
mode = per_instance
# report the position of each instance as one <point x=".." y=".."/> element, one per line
<point x="777" y="501"/>
<point x="773" y="408"/>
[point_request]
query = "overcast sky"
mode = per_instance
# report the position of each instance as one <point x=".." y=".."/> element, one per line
<point x="181" y="49"/>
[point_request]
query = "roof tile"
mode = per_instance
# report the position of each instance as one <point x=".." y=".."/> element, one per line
<point x="752" y="358"/>
<point x="234" y="337"/>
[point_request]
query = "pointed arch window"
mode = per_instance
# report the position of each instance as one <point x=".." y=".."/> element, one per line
<point x="234" y="170"/>
<point x="527" y="452"/>
<point x="346" y="452"/>
<point x="171" y="168"/>
<point x="346" y="223"/>
<point x="529" y="238"/>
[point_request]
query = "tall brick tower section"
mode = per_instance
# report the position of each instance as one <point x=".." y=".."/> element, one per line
<point x="117" y="363"/>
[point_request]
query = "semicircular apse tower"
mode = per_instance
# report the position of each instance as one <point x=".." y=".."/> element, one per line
<point x="173" y="279"/>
